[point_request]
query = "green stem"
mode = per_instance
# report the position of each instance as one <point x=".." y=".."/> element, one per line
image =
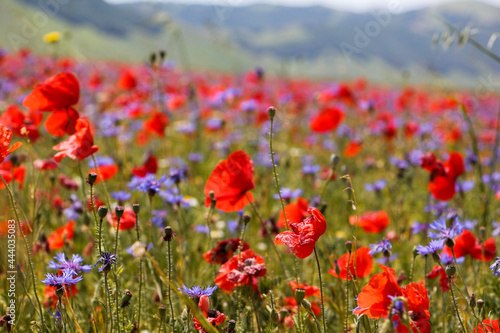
<point x="116" y="235"/>
<point x="170" y="281"/>
<point x="455" y="304"/>
<point x="107" y="300"/>
<point x="347" y="294"/>
<point x="321" y="289"/>
<point x="18" y="221"/>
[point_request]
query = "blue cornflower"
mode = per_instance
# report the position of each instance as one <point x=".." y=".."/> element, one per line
<point x="121" y="196"/>
<point x="288" y="194"/>
<point x="383" y="246"/>
<point x="232" y="226"/>
<point x="107" y="259"/>
<point x="195" y="157"/>
<point x="464" y="186"/>
<point x="448" y="260"/>
<point x="418" y="227"/>
<point x="74" y="211"/>
<point x="377" y="186"/>
<point x="311" y="169"/>
<point x="214" y="123"/>
<point x="67" y="278"/>
<point x="399" y="163"/>
<point x="73" y="265"/>
<point x="441" y="232"/>
<point x="196" y="292"/>
<point x="176" y="175"/>
<point x="159" y="218"/>
<point x="495" y="268"/>
<point x="433" y="247"/>
<point x="101" y="161"/>
<point x="147" y="184"/>
<point x="202" y="228"/>
<point x="57" y="316"/>
<point x="496" y="229"/>
<point x="385" y="260"/>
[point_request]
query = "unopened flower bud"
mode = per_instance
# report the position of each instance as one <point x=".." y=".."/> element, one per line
<point x="436" y="258"/>
<point x="334" y="160"/>
<point x="91" y="178"/>
<point x="480" y="304"/>
<point x="162" y="311"/>
<point x="127" y="296"/>
<point x="337" y="268"/>
<point x="246" y="219"/>
<point x="472" y="301"/>
<point x="102" y="211"/>
<point x="136" y="208"/>
<point x="348" y="246"/>
<point x="169" y="234"/>
<point x="450" y="270"/>
<point x="271" y="111"/>
<point x="415" y="252"/>
<point x="275" y="316"/>
<point x="307" y="305"/>
<point x="59" y="291"/>
<point x="450" y="242"/>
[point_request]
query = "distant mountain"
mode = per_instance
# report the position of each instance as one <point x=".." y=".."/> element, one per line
<point x="309" y="41"/>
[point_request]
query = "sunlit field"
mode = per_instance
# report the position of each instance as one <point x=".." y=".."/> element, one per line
<point x="146" y="198"/>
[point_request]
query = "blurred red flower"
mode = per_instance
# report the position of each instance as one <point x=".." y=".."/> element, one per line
<point x="443" y="175"/>
<point x="295" y="212"/>
<point x="302" y="239"/>
<point x="230" y="182"/>
<point x="224" y="251"/>
<point x="127" y="221"/>
<point x="372" y="222"/>
<point x="364" y="264"/>
<point x="489" y="326"/>
<point x="157" y="124"/>
<point x="52" y="299"/>
<point x="127" y="80"/>
<point x="80" y="145"/>
<point x="466" y="243"/>
<point x="63" y="234"/>
<point x="149" y="166"/>
<point x="56" y="93"/>
<point x="10" y="173"/>
<point x="328" y="119"/>
<point x="58" y="123"/>
<point x="105" y="171"/>
<point x="310" y="290"/>
<point x="353" y="148"/>
<point x="22" y="124"/>
<point x="438" y="271"/>
<point x="214" y="317"/>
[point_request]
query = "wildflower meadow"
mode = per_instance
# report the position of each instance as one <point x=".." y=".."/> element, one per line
<point x="145" y="198"/>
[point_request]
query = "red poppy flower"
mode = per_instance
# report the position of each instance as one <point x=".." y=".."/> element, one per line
<point x="52" y="299"/>
<point x="106" y="172"/>
<point x="375" y="300"/>
<point x="438" y="271"/>
<point x="443" y="175"/>
<point x="49" y="164"/>
<point x="10" y="173"/>
<point x="290" y="303"/>
<point x="310" y="290"/>
<point x="224" y="251"/>
<point x="489" y="326"/>
<point x="5" y="226"/>
<point x="295" y="212"/>
<point x="372" y="222"/>
<point x="236" y="272"/>
<point x="149" y="166"/>
<point x="230" y="182"/>
<point x="5" y="139"/>
<point x="58" y="123"/>
<point x="127" y="81"/>
<point x="157" y="124"/>
<point x="214" y="317"/>
<point x="466" y="243"/>
<point x="20" y="123"/>
<point x="127" y="221"/>
<point x="63" y="234"/>
<point x="56" y="93"/>
<point x="302" y="239"/>
<point x="328" y="119"/>
<point x="353" y="148"/>
<point x="364" y="264"/>
<point x="80" y="145"/>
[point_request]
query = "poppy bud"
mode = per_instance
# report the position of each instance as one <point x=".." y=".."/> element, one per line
<point x="162" y="311"/>
<point x="246" y="219"/>
<point x="91" y="178"/>
<point x="127" y="296"/>
<point x="307" y="305"/>
<point x="119" y="211"/>
<point x="450" y="270"/>
<point x="163" y="55"/>
<point x="436" y="258"/>
<point x="480" y="304"/>
<point x="275" y="316"/>
<point x="271" y="111"/>
<point x="450" y="242"/>
<point x="337" y="268"/>
<point x="59" y="291"/>
<point x="300" y="294"/>
<point x="152" y="59"/>
<point x="169" y="234"/>
<point x="231" y="326"/>
<point x="386" y="253"/>
<point x="283" y="313"/>
<point x="472" y="301"/>
<point x="334" y="160"/>
<point x="415" y="252"/>
<point x="102" y="211"/>
<point x="348" y="246"/>
<point x="151" y="192"/>
<point x="137" y="208"/>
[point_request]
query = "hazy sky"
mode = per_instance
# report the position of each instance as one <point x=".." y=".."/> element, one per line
<point x="352" y="5"/>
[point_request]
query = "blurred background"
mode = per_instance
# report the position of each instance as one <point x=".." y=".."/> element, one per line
<point x="391" y="41"/>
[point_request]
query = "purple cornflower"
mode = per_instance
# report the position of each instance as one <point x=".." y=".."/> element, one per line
<point x="433" y="247"/>
<point x="214" y="123"/>
<point x="418" y="227"/>
<point x="121" y="196"/>
<point x="101" y="160"/>
<point x="288" y="194"/>
<point x="464" y="186"/>
<point x="159" y="218"/>
<point x="495" y="268"/>
<point x="448" y="260"/>
<point x="377" y="186"/>
<point x="196" y="292"/>
<point x="74" y="211"/>
<point x="202" y="228"/>
<point x="176" y="175"/>
<point x="107" y="259"/>
<point x="311" y="169"/>
<point x="441" y="232"/>
<point x="68" y="277"/>
<point x="496" y="229"/>
<point x="73" y="265"/>
<point x="195" y="157"/>
<point x="400" y="164"/>
<point x="384" y="246"/>
<point x="148" y="184"/>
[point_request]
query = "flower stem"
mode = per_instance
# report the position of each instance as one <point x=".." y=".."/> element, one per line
<point x="455" y="304"/>
<point x="321" y="289"/>
<point x="116" y="235"/>
<point x="169" y="254"/>
<point x="346" y="321"/>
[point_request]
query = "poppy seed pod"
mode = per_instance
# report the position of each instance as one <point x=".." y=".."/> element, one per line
<point x="271" y="111"/>
<point x="300" y="294"/>
<point x="246" y="219"/>
<point x="348" y="246"/>
<point x="480" y="304"/>
<point x="450" y="270"/>
<point x="450" y="242"/>
<point x="119" y="211"/>
<point x="137" y="208"/>
<point x="169" y="234"/>
<point x="102" y="211"/>
<point x="162" y="310"/>
<point x="91" y="178"/>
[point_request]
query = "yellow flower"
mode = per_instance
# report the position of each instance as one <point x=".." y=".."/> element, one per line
<point x="52" y="37"/>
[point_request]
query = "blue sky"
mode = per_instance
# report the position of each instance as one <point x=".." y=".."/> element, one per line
<point x="351" y="5"/>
